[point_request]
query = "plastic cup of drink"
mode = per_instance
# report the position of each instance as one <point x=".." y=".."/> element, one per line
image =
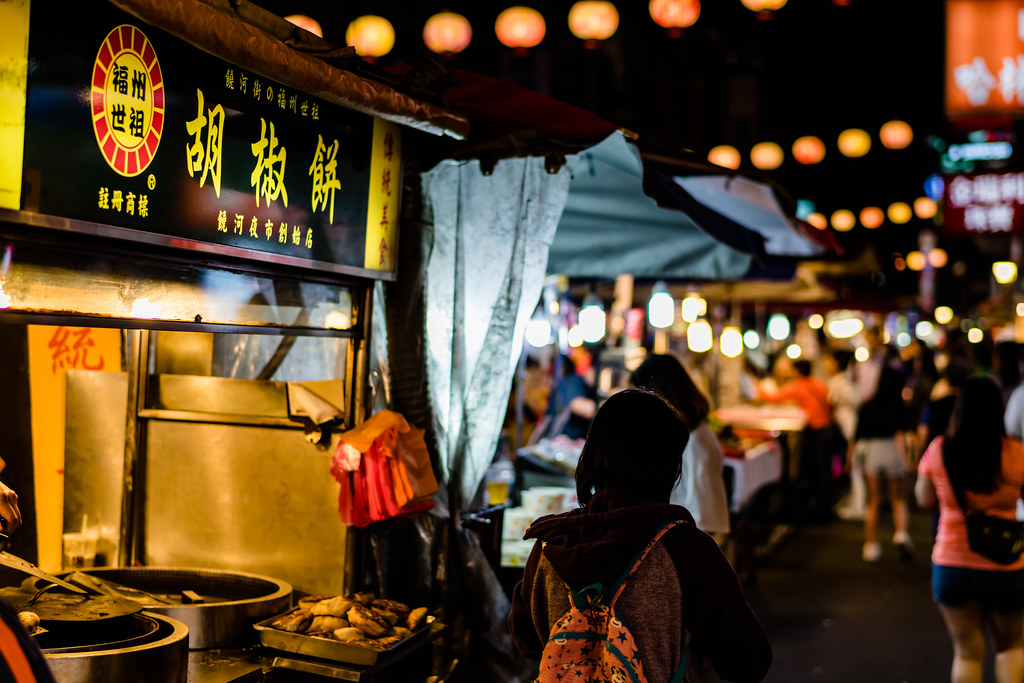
<point x="80" y="549"/>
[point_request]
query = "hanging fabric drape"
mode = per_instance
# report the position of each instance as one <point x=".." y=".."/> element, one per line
<point x="485" y="259"/>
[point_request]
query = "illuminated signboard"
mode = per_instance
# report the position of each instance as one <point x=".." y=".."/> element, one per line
<point x="983" y="203"/>
<point x="984" y="57"/>
<point x="138" y="135"/>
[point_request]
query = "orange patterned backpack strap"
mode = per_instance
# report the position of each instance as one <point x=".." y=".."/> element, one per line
<point x="640" y="558"/>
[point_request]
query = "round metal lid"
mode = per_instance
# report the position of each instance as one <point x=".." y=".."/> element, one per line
<point x="54" y="606"/>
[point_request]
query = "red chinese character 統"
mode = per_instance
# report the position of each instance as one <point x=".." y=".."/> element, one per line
<point x="70" y="350"/>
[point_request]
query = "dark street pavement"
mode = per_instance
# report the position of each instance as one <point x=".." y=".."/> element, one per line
<point x="833" y="618"/>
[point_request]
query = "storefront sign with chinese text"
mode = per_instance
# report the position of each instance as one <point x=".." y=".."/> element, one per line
<point x="984" y="57"/>
<point x="984" y="203"/>
<point x="174" y="146"/>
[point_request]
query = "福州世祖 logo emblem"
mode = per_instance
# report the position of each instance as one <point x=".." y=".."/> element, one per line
<point x="127" y="100"/>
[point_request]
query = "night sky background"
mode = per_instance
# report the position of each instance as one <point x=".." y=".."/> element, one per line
<point x="813" y="69"/>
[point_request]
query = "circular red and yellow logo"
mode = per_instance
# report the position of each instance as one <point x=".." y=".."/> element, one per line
<point x="127" y="100"/>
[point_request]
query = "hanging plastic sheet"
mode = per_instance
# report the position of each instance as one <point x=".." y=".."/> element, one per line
<point x="485" y="262"/>
<point x="470" y="275"/>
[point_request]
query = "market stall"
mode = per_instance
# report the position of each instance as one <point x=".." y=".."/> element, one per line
<point x="191" y="240"/>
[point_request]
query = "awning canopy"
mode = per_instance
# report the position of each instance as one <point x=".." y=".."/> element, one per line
<point x="626" y="214"/>
<point x="609" y="226"/>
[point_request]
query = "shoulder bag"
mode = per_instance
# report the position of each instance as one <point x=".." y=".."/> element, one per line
<point x="1000" y="540"/>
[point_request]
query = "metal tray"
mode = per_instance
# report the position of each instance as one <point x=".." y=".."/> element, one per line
<point x="311" y="646"/>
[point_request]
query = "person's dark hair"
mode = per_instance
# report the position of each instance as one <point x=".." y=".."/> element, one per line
<point x="635" y="443"/>
<point x="566" y="366"/>
<point x="803" y="367"/>
<point x="665" y="375"/>
<point x="973" y="447"/>
<point x="888" y="398"/>
<point x="1008" y="357"/>
<point x="958" y="370"/>
<point x="842" y="358"/>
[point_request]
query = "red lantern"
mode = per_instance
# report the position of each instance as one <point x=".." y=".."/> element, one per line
<point x="872" y="217"/>
<point x="726" y="156"/>
<point x="765" y="9"/>
<point x="808" y="150"/>
<point x="854" y="142"/>
<point x="371" y="36"/>
<point x="447" y="33"/>
<point x="593" y="21"/>
<point x="674" y="15"/>
<point x="520" y="28"/>
<point x="308" y="23"/>
<point x="766" y="156"/>
<point x="896" y="134"/>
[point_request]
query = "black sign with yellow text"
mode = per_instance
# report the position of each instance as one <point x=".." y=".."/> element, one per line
<point x="130" y="127"/>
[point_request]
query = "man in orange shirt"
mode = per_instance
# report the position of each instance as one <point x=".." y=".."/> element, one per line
<point x="811" y="395"/>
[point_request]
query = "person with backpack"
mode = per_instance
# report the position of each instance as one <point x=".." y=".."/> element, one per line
<point x="975" y="468"/>
<point x="627" y="587"/>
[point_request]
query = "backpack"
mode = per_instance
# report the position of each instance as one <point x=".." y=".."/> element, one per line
<point x="590" y="643"/>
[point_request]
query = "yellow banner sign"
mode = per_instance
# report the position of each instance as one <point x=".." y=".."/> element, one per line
<point x="385" y="188"/>
<point x="13" y="74"/>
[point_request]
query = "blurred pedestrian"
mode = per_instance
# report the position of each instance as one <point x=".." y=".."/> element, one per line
<point x="1007" y="367"/>
<point x="700" y="488"/>
<point x="920" y="376"/>
<point x="939" y="411"/>
<point x="681" y="602"/>
<point x="881" y="449"/>
<point x="845" y="401"/>
<point x="811" y="395"/>
<point x="571" y="403"/>
<point x="972" y="592"/>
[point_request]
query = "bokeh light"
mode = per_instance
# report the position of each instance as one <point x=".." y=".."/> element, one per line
<point x="766" y="156"/>
<point x="872" y="217"/>
<point x="854" y="142"/>
<point x="900" y="213"/>
<point x="725" y="156"/>
<point x="843" y="220"/>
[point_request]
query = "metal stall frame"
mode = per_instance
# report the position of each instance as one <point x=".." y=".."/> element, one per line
<point x="138" y="344"/>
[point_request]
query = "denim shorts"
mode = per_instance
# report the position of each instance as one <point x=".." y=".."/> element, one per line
<point x="998" y="591"/>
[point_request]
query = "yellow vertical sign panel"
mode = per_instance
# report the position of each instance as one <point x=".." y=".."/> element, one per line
<point x="13" y="76"/>
<point x="52" y="351"/>
<point x="385" y="188"/>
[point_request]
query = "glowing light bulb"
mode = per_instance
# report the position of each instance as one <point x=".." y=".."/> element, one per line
<point x="698" y="336"/>
<point x="693" y="307"/>
<point x="661" y="310"/>
<point x="731" y="342"/>
<point x="592" y="320"/>
<point x="538" y="333"/>
<point x="778" y="327"/>
<point x="844" y="328"/>
<point x="575" y="336"/>
<point x="1005" y="272"/>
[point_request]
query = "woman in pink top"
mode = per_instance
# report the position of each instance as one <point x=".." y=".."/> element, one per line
<point x="971" y="591"/>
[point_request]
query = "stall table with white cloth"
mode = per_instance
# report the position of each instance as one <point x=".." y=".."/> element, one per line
<point x="758" y="467"/>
